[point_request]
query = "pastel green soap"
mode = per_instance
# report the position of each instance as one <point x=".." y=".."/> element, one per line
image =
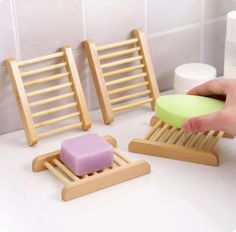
<point x="175" y="109"/>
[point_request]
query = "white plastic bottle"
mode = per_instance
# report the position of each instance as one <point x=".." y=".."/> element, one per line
<point x="230" y="47"/>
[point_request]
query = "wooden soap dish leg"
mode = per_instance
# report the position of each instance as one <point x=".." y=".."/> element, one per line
<point x="76" y="186"/>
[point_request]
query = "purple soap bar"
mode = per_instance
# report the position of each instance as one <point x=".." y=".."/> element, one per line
<point x="86" y="154"/>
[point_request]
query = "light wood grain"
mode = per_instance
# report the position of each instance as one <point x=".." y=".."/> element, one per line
<point x="42" y="70"/>
<point x="129" y="97"/>
<point x="77" y="88"/>
<point x="98" y="78"/>
<point x="22" y="101"/>
<point x="40" y="59"/>
<point x="55" y="120"/>
<point x="147" y="61"/>
<point x="45" y="79"/>
<point x="126" y="88"/>
<point x="66" y="69"/>
<point x="119" y="53"/>
<point x="125" y="79"/>
<point x="131" y="105"/>
<point x="59" y="130"/>
<point x="116" y="45"/>
<point x="105" y="179"/>
<point x="123" y="70"/>
<point x="51" y="99"/>
<point x="173" y="152"/>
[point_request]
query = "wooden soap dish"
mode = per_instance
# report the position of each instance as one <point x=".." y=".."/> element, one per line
<point x="77" y="186"/>
<point x="170" y="142"/>
<point x="37" y="88"/>
<point x="119" y="68"/>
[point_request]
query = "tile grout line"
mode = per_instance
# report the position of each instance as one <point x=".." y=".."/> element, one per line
<point x="146" y="16"/>
<point x="16" y="30"/>
<point x="85" y="32"/>
<point x="173" y="30"/>
<point x="202" y="46"/>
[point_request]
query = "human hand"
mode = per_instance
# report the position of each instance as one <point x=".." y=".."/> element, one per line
<point x="224" y="120"/>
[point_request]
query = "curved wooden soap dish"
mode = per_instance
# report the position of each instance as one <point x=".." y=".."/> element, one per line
<point x="77" y="186"/>
<point x="170" y="142"/>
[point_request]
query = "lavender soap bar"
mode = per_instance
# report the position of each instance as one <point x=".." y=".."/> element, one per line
<point x="86" y="154"/>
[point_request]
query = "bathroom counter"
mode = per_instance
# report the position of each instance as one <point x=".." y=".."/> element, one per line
<point x="176" y="196"/>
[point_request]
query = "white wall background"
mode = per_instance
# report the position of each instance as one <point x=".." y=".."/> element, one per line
<point x="179" y="31"/>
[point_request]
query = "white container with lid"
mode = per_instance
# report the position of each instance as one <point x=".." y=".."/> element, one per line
<point x="230" y="47"/>
<point x="188" y="76"/>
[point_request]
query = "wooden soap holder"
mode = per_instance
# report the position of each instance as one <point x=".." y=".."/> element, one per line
<point x="77" y="186"/>
<point x="119" y="68"/>
<point x="170" y="142"/>
<point x="43" y="83"/>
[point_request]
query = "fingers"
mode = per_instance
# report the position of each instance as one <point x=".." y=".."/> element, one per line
<point x="213" y="87"/>
<point x="215" y="121"/>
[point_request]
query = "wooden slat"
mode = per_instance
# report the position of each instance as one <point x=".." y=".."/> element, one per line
<point x="53" y="110"/>
<point x="98" y="79"/>
<point x="56" y="173"/>
<point x="169" y="134"/>
<point x="77" y="88"/>
<point x="55" y="120"/>
<point x="177" y="136"/>
<point x="125" y="79"/>
<point x="123" y="70"/>
<point x="22" y="101"/>
<point x="66" y="170"/>
<point x="131" y="105"/>
<point x="129" y="97"/>
<point x="123" y="61"/>
<point x="126" y="88"/>
<point x="117" y="153"/>
<point x="160" y="132"/>
<point x="51" y="99"/>
<point x="215" y="140"/>
<point x="116" y="45"/>
<point x="186" y="139"/>
<point x="205" y="140"/>
<point x="119" y="53"/>
<point x="117" y="162"/>
<point x="48" y="90"/>
<point x="195" y="139"/>
<point x="46" y="79"/>
<point x="153" y="130"/>
<point x="59" y="130"/>
<point x="40" y="59"/>
<point x="147" y="61"/>
<point x="45" y="69"/>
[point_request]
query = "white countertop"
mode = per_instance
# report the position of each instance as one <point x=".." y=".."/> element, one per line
<point x="176" y="196"/>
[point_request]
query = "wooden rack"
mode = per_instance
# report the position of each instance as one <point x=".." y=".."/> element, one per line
<point x="22" y="81"/>
<point x="170" y="142"/>
<point x="76" y="186"/>
<point x="119" y="68"/>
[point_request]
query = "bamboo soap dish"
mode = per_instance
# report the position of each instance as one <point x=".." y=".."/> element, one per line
<point x="123" y="74"/>
<point x="166" y="141"/>
<point x="37" y="85"/>
<point x="77" y="186"/>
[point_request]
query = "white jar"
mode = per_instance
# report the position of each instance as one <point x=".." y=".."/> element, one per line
<point x="230" y="47"/>
<point x="188" y="76"/>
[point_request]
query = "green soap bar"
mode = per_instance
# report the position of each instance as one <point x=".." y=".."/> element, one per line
<point x="175" y="109"/>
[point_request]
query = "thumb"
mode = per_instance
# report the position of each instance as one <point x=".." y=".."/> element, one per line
<point x="215" y="121"/>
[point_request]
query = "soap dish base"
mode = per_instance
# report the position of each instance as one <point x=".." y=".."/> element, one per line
<point x="170" y="142"/>
<point x="77" y="186"/>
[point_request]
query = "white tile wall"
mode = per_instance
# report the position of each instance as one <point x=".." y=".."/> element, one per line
<point x="179" y="31"/>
